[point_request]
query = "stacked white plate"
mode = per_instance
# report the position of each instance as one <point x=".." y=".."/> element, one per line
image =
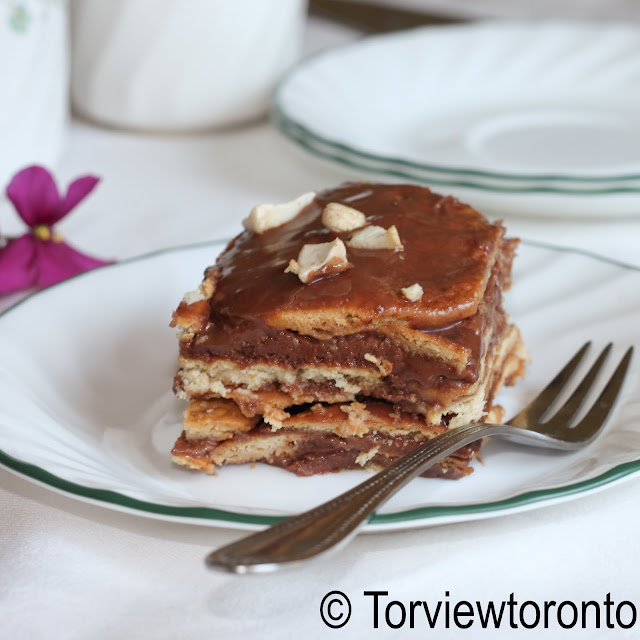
<point x="489" y="111"/>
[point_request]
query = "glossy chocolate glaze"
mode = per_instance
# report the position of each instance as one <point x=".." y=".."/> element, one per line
<point x="448" y="250"/>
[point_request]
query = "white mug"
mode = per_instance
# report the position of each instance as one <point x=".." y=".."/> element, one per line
<point x="34" y="84"/>
<point x="180" y="65"/>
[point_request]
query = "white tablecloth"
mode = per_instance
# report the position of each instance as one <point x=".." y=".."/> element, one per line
<point x="75" y="570"/>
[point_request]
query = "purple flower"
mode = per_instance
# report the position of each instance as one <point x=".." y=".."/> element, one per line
<point x="40" y="257"/>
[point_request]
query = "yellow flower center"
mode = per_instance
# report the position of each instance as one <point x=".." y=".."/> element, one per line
<point x="42" y="232"/>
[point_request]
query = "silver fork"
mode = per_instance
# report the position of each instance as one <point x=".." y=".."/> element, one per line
<point x="335" y="522"/>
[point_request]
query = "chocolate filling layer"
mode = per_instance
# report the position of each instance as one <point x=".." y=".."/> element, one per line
<point x="315" y="453"/>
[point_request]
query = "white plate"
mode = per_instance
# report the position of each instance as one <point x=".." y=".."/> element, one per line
<point x="501" y="108"/>
<point x="594" y="9"/>
<point x="86" y="406"/>
<point x="495" y="198"/>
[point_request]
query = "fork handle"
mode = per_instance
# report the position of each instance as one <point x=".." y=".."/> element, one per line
<point x="336" y="521"/>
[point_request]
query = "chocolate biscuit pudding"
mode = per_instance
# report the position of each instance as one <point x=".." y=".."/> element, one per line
<point x="342" y="329"/>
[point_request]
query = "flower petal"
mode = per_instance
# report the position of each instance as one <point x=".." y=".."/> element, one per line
<point x="17" y="264"/>
<point x="78" y="190"/>
<point x="35" y="196"/>
<point x="58" y="261"/>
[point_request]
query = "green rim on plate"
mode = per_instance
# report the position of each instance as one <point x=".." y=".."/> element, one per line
<point x="104" y="496"/>
<point x="411" y="171"/>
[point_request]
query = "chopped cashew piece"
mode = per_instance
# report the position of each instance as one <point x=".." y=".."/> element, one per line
<point x="203" y="292"/>
<point x="269" y="216"/>
<point x="340" y="218"/>
<point x="412" y="293"/>
<point x="317" y="260"/>
<point x="193" y="296"/>
<point x="375" y="237"/>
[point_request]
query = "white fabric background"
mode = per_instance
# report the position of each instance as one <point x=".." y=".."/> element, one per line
<point x="75" y="570"/>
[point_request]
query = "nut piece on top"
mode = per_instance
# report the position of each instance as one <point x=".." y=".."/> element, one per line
<point x="193" y="311"/>
<point x="375" y="237"/>
<point x="412" y="293"/>
<point x="340" y="218"/>
<point x="319" y="260"/>
<point x="268" y="216"/>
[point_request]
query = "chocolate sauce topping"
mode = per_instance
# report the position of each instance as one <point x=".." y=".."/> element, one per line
<point x="449" y="249"/>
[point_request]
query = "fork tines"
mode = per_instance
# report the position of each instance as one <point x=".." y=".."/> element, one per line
<point x="597" y="413"/>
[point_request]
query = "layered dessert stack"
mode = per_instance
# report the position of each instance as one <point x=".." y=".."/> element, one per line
<point x="342" y="329"/>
